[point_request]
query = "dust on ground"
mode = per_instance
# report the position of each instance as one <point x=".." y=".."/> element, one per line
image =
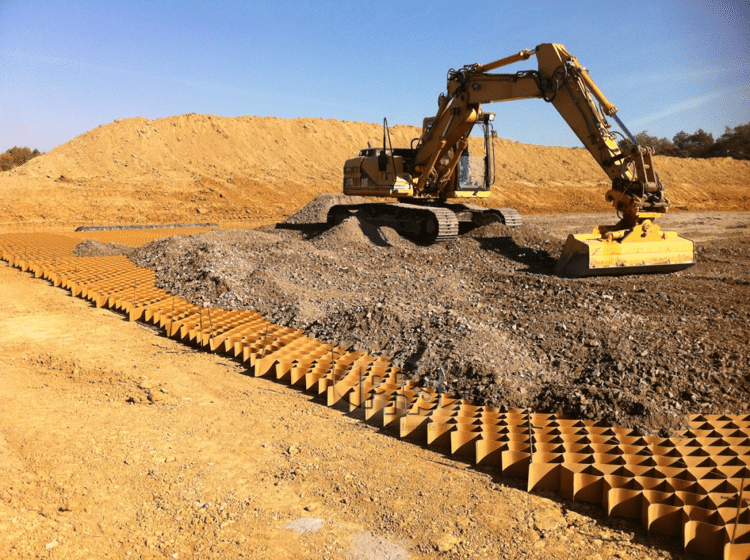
<point x="483" y="317"/>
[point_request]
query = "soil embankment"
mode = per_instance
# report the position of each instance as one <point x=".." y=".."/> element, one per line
<point x="259" y="170"/>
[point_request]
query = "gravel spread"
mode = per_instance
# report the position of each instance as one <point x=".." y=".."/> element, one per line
<point x="483" y="316"/>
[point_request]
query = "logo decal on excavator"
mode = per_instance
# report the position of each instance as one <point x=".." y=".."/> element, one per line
<point x="401" y="186"/>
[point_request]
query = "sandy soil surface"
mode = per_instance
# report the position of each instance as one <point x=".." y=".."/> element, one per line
<point x="117" y="442"/>
<point x="252" y="170"/>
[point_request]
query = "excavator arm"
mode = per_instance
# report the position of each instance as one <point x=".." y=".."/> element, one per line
<point x="636" y="192"/>
<point x="562" y="81"/>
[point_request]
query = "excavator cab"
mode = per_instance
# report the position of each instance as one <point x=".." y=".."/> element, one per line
<point x="475" y="174"/>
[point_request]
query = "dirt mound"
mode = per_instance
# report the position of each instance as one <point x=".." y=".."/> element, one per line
<point x="357" y="231"/>
<point x="260" y="170"/>
<point x="93" y="248"/>
<point x="351" y="231"/>
<point x="316" y="211"/>
<point x="482" y="317"/>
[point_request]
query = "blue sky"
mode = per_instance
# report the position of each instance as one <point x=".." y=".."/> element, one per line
<point x="71" y="66"/>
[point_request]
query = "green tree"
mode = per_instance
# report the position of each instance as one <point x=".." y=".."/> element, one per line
<point x="661" y="146"/>
<point x="693" y="145"/>
<point x="735" y="143"/>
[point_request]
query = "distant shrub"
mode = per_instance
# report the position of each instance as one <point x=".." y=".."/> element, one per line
<point x="661" y="146"/>
<point x="16" y="156"/>
<point x="734" y="143"/>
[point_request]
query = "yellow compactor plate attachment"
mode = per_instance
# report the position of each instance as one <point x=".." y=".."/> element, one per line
<point x="637" y="252"/>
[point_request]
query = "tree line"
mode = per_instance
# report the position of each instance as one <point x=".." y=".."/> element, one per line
<point x="16" y="156"/>
<point x="734" y="143"/>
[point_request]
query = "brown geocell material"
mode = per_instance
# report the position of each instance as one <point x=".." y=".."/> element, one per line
<point x="688" y="487"/>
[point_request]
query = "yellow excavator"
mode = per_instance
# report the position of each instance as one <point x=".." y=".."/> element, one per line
<point x="438" y="167"/>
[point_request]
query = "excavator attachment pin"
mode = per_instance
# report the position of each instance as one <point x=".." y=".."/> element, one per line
<point x="643" y="250"/>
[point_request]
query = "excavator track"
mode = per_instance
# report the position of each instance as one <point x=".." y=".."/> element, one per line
<point x="438" y="224"/>
<point x="511" y="217"/>
<point x="426" y="224"/>
<point x="481" y="216"/>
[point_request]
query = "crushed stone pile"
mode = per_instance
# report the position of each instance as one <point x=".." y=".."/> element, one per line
<point x="316" y="211"/>
<point x="93" y="248"/>
<point x="483" y="317"/>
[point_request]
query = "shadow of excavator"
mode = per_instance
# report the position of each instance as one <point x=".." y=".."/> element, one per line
<point x="536" y="261"/>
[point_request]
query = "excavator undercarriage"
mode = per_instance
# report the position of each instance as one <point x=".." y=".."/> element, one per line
<point x="425" y="221"/>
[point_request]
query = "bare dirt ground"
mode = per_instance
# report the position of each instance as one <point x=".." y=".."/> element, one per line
<point x="117" y="442"/>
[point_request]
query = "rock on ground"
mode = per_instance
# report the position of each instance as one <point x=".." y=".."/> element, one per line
<point x="93" y="248"/>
